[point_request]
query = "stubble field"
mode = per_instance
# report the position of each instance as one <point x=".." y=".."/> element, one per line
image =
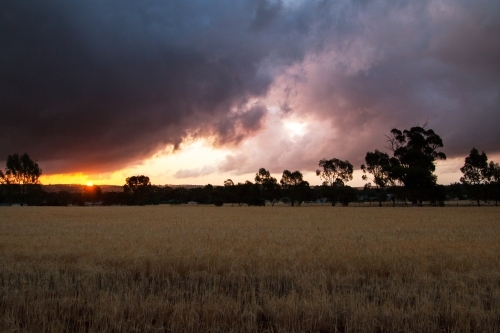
<point x="249" y="269"/>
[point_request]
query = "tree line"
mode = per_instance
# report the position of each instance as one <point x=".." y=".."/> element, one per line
<point x="405" y="174"/>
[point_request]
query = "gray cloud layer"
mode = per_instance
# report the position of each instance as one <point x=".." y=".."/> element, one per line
<point x="91" y="85"/>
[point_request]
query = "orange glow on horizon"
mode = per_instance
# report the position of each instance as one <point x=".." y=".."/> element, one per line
<point x="83" y="179"/>
<point x="161" y="167"/>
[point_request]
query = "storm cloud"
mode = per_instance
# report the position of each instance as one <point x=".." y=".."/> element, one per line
<point x="92" y="85"/>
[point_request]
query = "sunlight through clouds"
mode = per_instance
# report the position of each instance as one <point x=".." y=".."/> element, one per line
<point x="275" y="84"/>
<point x="295" y="128"/>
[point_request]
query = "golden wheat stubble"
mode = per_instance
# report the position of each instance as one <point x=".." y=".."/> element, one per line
<point x="179" y="268"/>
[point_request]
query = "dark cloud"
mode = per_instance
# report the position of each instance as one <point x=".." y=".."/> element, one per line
<point x="408" y="63"/>
<point x="95" y="84"/>
<point x="236" y="126"/>
<point x="92" y="85"/>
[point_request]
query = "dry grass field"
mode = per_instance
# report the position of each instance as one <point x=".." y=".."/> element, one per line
<point x="249" y="269"/>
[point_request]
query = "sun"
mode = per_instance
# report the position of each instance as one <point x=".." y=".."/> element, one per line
<point x="295" y="128"/>
<point x="90" y="184"/>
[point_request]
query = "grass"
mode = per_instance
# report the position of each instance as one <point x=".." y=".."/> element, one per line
<point x="249" y="269"/>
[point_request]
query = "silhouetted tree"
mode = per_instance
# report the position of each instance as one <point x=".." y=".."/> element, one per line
<point x="61" y="198"/>
<point x="4" y="188"/>
<point x="437" y="195"/>
<point x="249" y="193"/>
<point x="346" y="194"/>
<point x="415" y="152"/>
<point x="322" y="192"/>
<point x="219" y="193"/>
<point x="208" y="191"/>
<point x="268" y="184"/>
<point x="156" y="195"/>
<point x="180" y="194"/>
<point x="115" y="198"/>
<point x="200" y="194"/>
<point x="476" y="174"/>
<point x="240" y="193"/>
<point x="139" y="187"/>
<point x="494" y="184"/>
<point x="378" y="164"/>
<point x="456" y="190"/>
<point x="21" y="175"/>
<point x="230" y="191"/>
<point x="335" y="173"/>
<point x="292" y="183"/>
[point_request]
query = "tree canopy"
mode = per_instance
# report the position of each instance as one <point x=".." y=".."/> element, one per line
<point x="476" y="173"/>
<point x="335" y="173"/>
<point x="293" y="184"/>
<point x="268" y="184"/>
<point x="415" y="153"/>
<point x="379" y="165"/>
<point x="139" y="187"/>
<point x="136" y="183"/>
<point x="21" y="174"/>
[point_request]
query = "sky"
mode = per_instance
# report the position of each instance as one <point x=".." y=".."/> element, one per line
<point x="196" y="92"/>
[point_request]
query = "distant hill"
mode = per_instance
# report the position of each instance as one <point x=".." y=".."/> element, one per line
<point x="184" y="186"/>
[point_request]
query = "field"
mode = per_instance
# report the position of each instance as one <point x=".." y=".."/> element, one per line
<point x="249" y="269"/>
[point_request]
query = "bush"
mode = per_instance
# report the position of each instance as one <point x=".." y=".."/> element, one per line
<point x="218" y="202"/>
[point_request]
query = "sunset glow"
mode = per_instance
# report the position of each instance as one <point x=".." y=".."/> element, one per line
<point x="198" y="162"/>
<point x="115" y="178"/>
<point x="153" y="97"/>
